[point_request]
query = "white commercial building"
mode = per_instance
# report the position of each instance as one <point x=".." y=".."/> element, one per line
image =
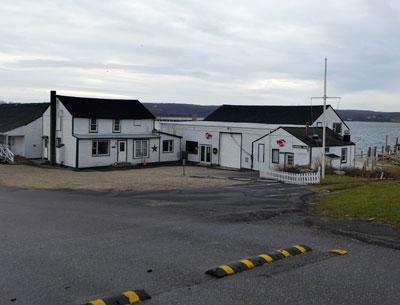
<point x="88" y="132"/>
<point x="288" y="147"/>
<point x="21" y="128"/>
<point x="226" y="137"/>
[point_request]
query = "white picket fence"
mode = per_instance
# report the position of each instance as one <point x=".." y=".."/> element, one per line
<point x="6" y="155"/>
<point x="292" y="178"/>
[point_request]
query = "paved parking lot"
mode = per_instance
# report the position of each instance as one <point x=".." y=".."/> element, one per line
<point x="69" y="247"/>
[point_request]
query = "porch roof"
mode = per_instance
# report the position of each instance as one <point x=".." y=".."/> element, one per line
<point x="116" y="136"/>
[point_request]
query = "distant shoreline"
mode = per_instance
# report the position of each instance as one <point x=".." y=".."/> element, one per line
<point x="358" y="121"/>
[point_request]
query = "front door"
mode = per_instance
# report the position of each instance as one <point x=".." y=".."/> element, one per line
<point x="122" y="151"/>
<point x="205" y="154"/>
<point x="289" y="160"/>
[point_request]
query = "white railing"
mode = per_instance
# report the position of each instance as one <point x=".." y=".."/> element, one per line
<point x="6" y="155"/>
<point x="292" y="178"/>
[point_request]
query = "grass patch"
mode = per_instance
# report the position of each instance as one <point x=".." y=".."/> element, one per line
<point x="361" y="198"/>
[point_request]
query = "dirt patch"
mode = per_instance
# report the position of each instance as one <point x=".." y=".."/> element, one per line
<point x="143" y="179"/>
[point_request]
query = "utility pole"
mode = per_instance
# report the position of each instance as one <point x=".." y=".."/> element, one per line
<point x="325" y="97"/>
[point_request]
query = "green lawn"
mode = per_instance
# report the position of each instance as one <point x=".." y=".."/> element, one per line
<point x="360" y="198"/>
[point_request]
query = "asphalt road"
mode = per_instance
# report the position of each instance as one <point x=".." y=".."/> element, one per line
<point x="60" y="247"/>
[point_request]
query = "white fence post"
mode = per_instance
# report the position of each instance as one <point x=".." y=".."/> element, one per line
<point x="292" y="178"/>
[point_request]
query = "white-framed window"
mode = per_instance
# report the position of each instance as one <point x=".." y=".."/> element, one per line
<point x="168" y="146"/>
<point x="92" y="125"/>
<point x="141" y="148"/>
<point x="100" y="148"/>
<point x="58" y="142"/>
<point x="343" y="157"/>
<point x="59" y="118"/>
<point x="275" y="156"/>
<point x="136" y="123"/>
<point x="261" y="152"/>
<point x="337" y="127"/>
<point x="116" y="125"/>
<point x="290" y="159"/>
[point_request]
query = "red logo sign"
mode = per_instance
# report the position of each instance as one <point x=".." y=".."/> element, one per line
<point x="281" y="142"/>
<point x="208" y="136"/>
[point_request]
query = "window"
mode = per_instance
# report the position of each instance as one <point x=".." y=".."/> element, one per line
<point x="141" y="148"/>
<point x="92" y="125"/>
<point x="289" y="160"/>
<point x="116" y="125"/>
<point x="275" y="156"/>
<point x="337" y="127"/>
<point x="58" y="142"/>
<point x="46" y="142"/>
<point x="168" y="146"/>
<point x="100" y="148"/>
<point x="192" y="147"/>
<point x="261" y="153"/>
<point x="343" y="158"/>
<point x="136" y="123"/>
<point x="326" y="149"/>
<point x="319" y="124"/>
<point x="59" y="120"/>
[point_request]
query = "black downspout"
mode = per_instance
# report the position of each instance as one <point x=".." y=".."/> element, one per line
<point x="53" y="111"/>
<point x="77" y="154"/>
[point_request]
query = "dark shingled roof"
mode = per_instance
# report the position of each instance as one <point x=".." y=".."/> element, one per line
<point x="82" y="107"/>
<point x="293" y="115"/>
<point x="16" y="114"/>
<point x="332" y="139"/>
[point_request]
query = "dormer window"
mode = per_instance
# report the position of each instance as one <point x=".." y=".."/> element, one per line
<point x="116" y="125"/>
<point x="92" y="125"/>
<point x="337" y="127"/>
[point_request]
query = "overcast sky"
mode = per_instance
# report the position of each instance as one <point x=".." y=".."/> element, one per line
<point x="205" y="52"/>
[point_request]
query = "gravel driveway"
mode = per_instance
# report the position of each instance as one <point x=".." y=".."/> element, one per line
<point x="140" y="179"/>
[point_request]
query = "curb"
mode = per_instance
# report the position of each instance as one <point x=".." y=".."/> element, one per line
<point x="125" y="298"/>
<point x="257" y="261"/>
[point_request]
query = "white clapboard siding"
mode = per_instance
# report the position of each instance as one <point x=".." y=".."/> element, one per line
<point x="292" y="178"/>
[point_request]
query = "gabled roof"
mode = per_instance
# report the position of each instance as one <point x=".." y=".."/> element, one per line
<point x="17" y="114"/>
<point x="83" y="107"/>
<point x="290" y="115"/>
<point x="307" y="136"/>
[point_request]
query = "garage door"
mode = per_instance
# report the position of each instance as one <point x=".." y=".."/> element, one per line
<point x="230" y="148"/>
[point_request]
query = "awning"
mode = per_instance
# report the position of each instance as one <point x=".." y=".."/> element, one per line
<point x="332" y="156"/>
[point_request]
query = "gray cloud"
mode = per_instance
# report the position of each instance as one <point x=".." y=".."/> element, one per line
<point x="255" y="52"/>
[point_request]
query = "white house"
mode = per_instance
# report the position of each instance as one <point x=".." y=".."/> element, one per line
<point x="21" y="128"/>
<point x="226" y="136"/>
<point x="288" y="147"/>
<point x="89" y="132"/>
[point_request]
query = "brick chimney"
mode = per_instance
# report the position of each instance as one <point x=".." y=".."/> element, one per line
<point x="53" y="111"/>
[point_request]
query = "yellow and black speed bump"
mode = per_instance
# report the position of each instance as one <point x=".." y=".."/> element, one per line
<point x="125" y="298"/>
<point x="250" y="263"/>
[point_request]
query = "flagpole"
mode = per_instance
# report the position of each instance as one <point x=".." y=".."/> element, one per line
<point x="324" y="124"/>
